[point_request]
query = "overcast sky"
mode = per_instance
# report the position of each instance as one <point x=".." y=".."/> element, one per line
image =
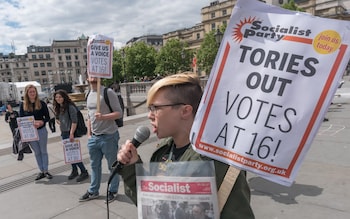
<point x="38" y="22"/>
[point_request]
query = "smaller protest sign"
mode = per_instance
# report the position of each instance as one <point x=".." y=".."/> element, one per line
<point x="100" y="60"/>
<point x="27" y="129"/>
<point x="100" y="56"/>
<point x="72" y="151"/>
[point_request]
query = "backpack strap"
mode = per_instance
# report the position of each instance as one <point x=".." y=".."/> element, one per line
<point x="227" y="185"/>
<point x="51" y="109"/>
<point x="87" y="94"/>
<point x="68" y="110"/>
<point x="105" y="96"/>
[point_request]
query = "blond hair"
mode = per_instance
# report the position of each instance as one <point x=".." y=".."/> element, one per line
<point x="27" y="105"/>
<point x="181" y="88"/>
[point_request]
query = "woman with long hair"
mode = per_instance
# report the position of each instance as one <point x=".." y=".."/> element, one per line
<point x="33" y="106"/>
<point x="66" y="112"/>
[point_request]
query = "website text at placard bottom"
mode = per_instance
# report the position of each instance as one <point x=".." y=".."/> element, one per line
<point x="243" y="160"/>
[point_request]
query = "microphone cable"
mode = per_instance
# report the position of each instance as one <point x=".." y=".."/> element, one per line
<point x="141" y="135"/>
<point x="114" y="165"/>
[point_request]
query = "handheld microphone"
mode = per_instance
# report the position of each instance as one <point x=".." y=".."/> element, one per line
<point x="142" y="134"/>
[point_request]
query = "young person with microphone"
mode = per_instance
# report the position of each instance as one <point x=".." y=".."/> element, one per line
<point x="173" y="102"/>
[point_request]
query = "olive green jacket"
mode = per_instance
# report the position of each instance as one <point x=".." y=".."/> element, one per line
<point x="238" y="203"/>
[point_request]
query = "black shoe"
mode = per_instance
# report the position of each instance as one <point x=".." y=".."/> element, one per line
<point x="111" y="196"/>
<point x="20" y="156"/>
<point x="83" y="176"/>
<point x="48" y="175"/>
<point x="88" y="196"/>
<point x="73" y="174"/>
<point x="40" y="176"/>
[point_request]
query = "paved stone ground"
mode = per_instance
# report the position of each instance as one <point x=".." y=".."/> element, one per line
<point x="321" y="188"/>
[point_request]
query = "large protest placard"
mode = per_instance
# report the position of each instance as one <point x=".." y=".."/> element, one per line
<point x="27" y="129"/>
<point x="271" y="84"/>
<point x="100" y="56"/>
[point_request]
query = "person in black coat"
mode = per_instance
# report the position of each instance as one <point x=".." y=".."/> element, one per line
<point x="11" y="118"/>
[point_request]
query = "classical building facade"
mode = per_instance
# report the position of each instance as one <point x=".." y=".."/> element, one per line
<point x="64" y="61"/>
<point x="70" y="60"/>
<point x="218" y="13"/>
<point x="333" y="9"/>
<point x="153" y="40"/>
<point x="213" y="16"/>
<point x="14" y="68"/>
<point x="193" y="36"/>
<point x="41" y="63"/>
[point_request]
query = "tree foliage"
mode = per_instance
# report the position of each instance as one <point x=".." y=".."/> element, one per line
<point x="207" y="52"/>
<point x="173" y="57"/>
<point x="291" y="6"/>
<point x="117" y="69"/>
<point x="140" y="61"/>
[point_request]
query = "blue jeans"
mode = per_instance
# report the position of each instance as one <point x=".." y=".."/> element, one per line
<point x="40" y="150"/>
<point x="81" y="166"/>
<point x="98" y="146"/>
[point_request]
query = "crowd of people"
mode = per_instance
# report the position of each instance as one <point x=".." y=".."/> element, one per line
<point x="181" y="210"/>
<point x="172" y="102"/>
<point x="102" y="132"/>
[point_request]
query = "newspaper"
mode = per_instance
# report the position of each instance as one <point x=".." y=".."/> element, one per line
<point x="168" y="195"/>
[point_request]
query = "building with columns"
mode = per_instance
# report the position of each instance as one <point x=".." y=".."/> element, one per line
<point x="14" y="68"/>
<point x="70" y="60"/>
<point x="65" y="61"/>
<point x="334" y="9"/>
<point x="213" y="16"/>
<point x="218" y="13"/>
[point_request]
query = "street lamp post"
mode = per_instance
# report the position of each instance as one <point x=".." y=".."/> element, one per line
<point x="183" y="59"/>
<point x="123" y="56"/>
<point x="218" y="37"/>
<point x="129" y="107"/>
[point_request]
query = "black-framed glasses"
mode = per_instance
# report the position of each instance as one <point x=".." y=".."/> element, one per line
<point x="153" y="108"/>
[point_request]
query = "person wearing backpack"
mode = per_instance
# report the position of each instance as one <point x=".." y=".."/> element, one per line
<point x="103" y="139"/>
<point x="66" y="112"/>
